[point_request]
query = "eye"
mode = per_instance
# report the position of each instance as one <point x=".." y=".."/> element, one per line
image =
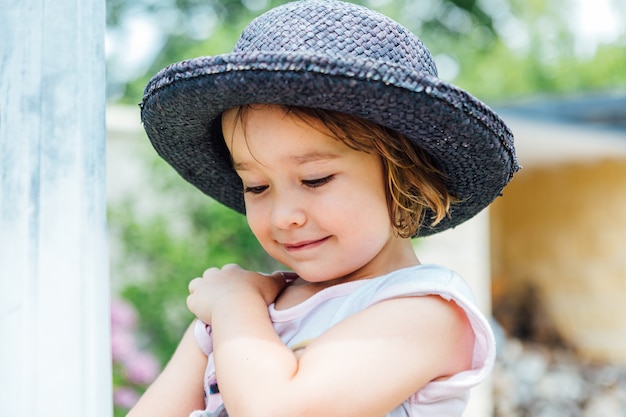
<point x="255" y="190"/>
<point x="318" y="182"/>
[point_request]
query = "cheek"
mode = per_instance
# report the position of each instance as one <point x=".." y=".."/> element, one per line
<point x="256" y="221"/>
<point x="373" y="197"/>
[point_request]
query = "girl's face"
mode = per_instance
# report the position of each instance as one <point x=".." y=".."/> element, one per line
<point x="314" y="204"/>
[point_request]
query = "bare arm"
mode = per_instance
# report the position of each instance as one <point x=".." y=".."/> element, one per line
<point x="179" y="389"/>
<point x="365" y="366"/>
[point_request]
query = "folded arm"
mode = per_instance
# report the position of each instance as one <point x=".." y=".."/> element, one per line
<point x="364" y="366"/>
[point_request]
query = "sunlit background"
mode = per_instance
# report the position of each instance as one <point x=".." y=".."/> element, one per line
<point x="556" y="251"/>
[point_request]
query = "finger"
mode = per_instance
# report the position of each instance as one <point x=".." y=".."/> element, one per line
<point x="281" y="278"/>
<point x="190" y="303"/>
<point x="210" y="271"/>
<point x="193" y="284"/>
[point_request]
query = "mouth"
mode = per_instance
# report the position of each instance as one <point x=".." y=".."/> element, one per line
<point x="305" y="244"/>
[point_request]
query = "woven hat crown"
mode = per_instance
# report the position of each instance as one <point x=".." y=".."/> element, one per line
<point x="334" y="29"/>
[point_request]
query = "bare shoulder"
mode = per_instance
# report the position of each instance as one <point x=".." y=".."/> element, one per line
<point x="445" y="325"/>
<point x="428" y="332"/>
<point x="442" y="324"/>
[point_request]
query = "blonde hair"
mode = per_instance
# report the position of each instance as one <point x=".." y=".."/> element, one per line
<point x="414" y="183"/>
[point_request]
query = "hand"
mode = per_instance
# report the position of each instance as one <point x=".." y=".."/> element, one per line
<point x="218" y="286"/>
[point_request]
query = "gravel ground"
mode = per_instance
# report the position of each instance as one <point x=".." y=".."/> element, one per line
<point x="533" y="380"/>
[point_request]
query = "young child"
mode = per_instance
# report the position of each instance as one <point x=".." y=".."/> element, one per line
<point x="327" y="127"/>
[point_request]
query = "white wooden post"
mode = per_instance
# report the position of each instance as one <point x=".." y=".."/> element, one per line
<point x="54" y="285"/>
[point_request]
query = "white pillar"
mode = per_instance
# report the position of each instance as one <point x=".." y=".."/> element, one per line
<point x="54" y="285"/>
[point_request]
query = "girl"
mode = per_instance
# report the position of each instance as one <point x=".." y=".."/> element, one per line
<point x="328" y="127"/>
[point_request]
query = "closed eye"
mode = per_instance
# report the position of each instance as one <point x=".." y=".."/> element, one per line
<point x="318" y="182"/>
<point x="255" y="190"/>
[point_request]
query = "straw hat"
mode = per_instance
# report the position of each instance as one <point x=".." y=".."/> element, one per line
<point x="337" y="56"/>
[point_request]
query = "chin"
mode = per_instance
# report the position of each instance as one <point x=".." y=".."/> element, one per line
<point x="317" y="277"/>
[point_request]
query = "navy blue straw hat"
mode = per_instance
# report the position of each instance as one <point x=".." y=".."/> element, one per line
<point x="337" y="56"/>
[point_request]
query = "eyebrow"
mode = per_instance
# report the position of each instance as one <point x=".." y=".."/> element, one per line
<point x="296" y="159"/>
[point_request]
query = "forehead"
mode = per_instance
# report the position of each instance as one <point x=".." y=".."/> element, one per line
<point x="277" y="127"/>
<point x="243" y="116"/>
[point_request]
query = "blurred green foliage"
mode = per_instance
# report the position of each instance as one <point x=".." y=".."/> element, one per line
<point x="498" y="48"/>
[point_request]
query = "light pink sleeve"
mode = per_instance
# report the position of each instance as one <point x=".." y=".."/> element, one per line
<point x="202" y="332"/>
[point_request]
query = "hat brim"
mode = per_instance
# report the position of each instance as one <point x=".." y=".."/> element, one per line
<point x="182" y="106"/>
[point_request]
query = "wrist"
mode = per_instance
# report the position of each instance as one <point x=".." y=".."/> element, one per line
<point x="241" y="298"/>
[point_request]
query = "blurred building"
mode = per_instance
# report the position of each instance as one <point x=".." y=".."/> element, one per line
<point x="558" y="235"/>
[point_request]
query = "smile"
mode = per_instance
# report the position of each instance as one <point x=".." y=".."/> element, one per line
<point x="307" y="244"/>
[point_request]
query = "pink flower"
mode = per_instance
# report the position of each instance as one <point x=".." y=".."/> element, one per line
<point x="123" y="345"/>
<point x="125" y="397"/>
<point x="123" y="315"/>
<point x="141" y="368"/>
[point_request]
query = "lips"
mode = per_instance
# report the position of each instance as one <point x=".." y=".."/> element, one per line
<point x="305" y="244"/>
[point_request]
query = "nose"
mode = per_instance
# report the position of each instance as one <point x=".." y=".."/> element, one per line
<point x="288" y="210"/>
